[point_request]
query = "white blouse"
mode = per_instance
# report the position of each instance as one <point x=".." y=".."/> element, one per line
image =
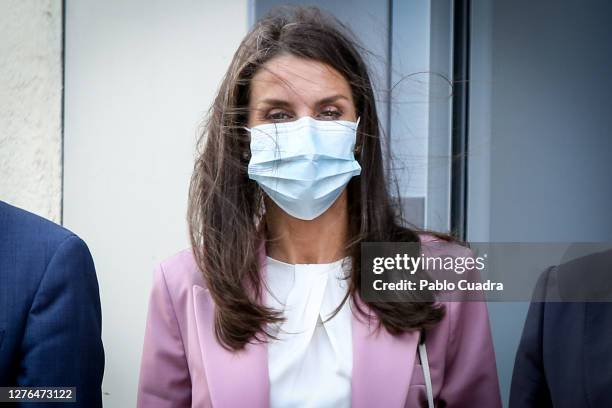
<point x="311" y="363"/>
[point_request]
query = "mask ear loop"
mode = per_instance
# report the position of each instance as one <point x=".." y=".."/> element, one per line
<point x="358" y="147"/>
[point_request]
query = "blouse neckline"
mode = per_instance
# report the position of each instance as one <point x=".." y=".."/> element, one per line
<point x="327" y="265"/>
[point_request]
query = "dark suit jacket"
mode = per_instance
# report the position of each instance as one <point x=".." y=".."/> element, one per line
<point x="50" y="318"/>
<point x="565" y="355"/>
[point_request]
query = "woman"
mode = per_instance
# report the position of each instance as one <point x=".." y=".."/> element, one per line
<point x="265" y="309"/>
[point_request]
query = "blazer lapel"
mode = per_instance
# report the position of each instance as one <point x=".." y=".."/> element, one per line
<point x="235" y="379"/>
<point x="382" y="363"/>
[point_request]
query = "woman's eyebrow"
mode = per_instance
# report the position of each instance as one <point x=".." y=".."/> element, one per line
<point x="331" y="99"/>
<point x="274" y="102"/>
<point x="285" y="104"/>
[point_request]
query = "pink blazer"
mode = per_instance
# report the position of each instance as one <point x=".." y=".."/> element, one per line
<point x="183" y="365"/>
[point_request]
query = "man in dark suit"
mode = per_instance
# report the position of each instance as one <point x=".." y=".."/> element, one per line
<point x="564" y="358"/>
<point x="50" y="318"/>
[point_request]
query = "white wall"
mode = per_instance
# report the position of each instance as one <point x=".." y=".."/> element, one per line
<point x="421" y="109"/>
<point x="410" y="96"/>
<point x="139" y="77"/>
<point x="30" y="105"/>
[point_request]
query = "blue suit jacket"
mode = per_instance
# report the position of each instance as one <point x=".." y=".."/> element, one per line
<point x="50" y="318"/>
<point x="565" y="355"/>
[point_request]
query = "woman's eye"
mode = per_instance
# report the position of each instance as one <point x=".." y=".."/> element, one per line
<point x="331" y="113"/>
<point x="277" y="116"/>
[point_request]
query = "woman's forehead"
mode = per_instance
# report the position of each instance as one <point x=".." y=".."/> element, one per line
<point x="289" y="77"/>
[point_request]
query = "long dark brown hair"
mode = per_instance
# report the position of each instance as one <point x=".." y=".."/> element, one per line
<point x="226" y="212"/>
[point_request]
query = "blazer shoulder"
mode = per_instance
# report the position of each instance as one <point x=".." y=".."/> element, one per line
<point x="39" y="247"/>
<point x="180" y="272"/>
<point x="436" y="246"/>
<point x="28" y="229"/>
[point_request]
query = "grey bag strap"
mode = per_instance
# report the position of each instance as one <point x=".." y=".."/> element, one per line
<point x="426" y="373"/>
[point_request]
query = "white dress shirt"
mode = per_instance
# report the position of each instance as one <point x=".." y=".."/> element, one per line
<point x="311" y="363"/>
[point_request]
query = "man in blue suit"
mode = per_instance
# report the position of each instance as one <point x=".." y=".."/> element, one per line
<point x="50" y="318"/>
<point x="565" y="355"/>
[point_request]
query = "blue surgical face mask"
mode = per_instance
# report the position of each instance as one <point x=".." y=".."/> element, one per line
<point x="304" y="165"/>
